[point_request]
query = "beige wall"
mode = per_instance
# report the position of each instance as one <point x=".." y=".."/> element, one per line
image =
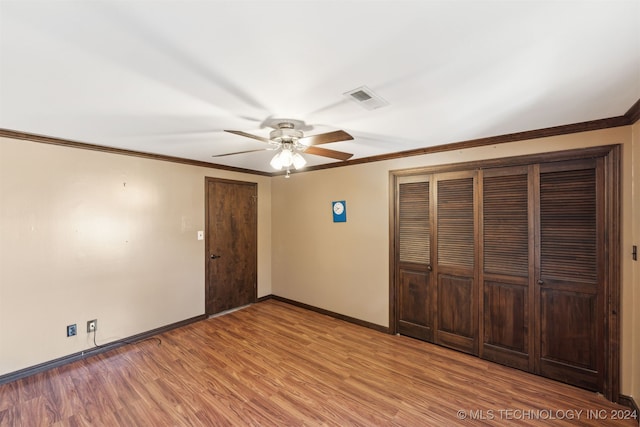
<point x="86" y="235"/>
<point x="344" y="267"/>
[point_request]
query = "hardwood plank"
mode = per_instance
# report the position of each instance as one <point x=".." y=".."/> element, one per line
<point x="275" y="364"/>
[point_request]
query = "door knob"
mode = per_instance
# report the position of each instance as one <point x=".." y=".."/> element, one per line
<point x="214" y="256"/>
<point x="540" y="282"/>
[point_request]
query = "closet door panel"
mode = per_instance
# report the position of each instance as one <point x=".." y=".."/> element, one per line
<point x="456" y="312"/>
<point x="456" y="325"/>
<point x="506" y="319"/>
<point x="507" y="252"/>
<point x="455" y="229"/>
<point x="415" y="226"/>
<point x="414" y="289"/>
<point x="505" y="222"/>
<point x="415" y="319"/>
<point x="568" y="339"/>
<point x="569" y="345"/>
<point x="570" y="284"/>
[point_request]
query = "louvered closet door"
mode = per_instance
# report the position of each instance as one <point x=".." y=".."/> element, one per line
<point x="570" y="274"/>
<point x="456" y="305"/>
<point x="506" y="259"/>
<point x="414" y="290"/>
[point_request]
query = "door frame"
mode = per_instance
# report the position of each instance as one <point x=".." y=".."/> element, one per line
<point x="207" y="230"/>
<point x="612" y="218"/>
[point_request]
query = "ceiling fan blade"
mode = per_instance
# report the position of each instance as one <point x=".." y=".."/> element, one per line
<point x="242" y="152"/>
<point x="248" y="135"/>
<point x="328" y="153"/>
<point x="325" y="138"/>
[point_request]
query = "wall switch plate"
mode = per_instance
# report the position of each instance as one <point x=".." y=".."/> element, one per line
<point x="200" y="235"/>
<point x="72" y="330"/>
<point x="92" y="325"/>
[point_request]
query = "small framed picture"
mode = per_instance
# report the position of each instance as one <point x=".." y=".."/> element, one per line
<point x="339" y="209"/>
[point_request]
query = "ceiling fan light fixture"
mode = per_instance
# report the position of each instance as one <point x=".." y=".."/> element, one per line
<point x="276" y="163"/>
<point x="298" y="161"/>
<point x="289" y="142"/>
<point x="285" y="158"/>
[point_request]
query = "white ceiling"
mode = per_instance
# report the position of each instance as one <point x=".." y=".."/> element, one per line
<point x="167" y="77"/>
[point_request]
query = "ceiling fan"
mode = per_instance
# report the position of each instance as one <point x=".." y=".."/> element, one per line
<point x="289" y="141"/>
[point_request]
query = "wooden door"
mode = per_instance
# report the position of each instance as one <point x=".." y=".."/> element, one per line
<point x="456" y="308"/>
<point x="231" y="244"/>
<point x="570" y="273"/>
<point x="506" y="275"/>
<point x="415" y="293"/>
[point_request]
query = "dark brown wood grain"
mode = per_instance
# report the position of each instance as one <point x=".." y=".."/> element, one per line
<point x="275" y="364"/>
<point x="415" y="286"/>
<point x="543" y="237"/>
<point x="415" y="302"/>
<point x="611" y="272"/>
<point x="231" y="244"/>
<point x="505" y="267"/>
<point x="455" y="302"/>
<point x="570" y="281"/>
<point x="414" y="225"/>
<point x="505" y="223"/>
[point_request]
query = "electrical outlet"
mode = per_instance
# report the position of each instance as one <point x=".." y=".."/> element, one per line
<point x="92" y="325"/>
<point x="72" y="330"/>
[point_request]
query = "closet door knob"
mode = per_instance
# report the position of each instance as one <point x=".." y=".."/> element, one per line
<point x="540" y="282"/>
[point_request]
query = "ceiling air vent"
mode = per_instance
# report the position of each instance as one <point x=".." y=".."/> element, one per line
<point x="366" y="98"/>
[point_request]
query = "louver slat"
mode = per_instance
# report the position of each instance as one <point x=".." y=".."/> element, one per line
<point x="414" y="223"/>
<point x="505" y="213"/>
<point x="568" y="225"/>
<point x="455" y="223"/>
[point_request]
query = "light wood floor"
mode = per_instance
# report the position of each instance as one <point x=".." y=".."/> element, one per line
<point x="276" y="364"/>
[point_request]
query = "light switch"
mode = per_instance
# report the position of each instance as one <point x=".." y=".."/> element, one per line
<point x="200" y="235"/>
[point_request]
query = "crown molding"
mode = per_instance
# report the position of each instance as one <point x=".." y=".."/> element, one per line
<point x="633" y="115"/>
<point x="121" y="151"/>
<point x="628" y="119"/>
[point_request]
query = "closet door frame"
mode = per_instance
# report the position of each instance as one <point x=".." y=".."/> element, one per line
<point x="611" y="160"/>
